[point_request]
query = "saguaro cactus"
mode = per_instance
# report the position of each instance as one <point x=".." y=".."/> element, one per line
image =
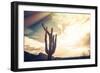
<point x="52" y="42"/>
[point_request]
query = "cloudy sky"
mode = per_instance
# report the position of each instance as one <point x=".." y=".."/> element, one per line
<point x="72" y="29"/>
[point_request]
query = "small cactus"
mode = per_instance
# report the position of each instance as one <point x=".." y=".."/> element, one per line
<point x="52" y="42"/>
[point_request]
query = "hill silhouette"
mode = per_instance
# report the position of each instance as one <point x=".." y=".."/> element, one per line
<point x="32" y="57"/>
<point x="43" y="57"/>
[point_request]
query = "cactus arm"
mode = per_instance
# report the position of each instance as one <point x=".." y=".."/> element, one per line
<point x="45" y="29"/>
<point x="50" y="43"/>
<point x="46" y="48"/>
<point x="52" y="51"/>
<point x="55" y="41"/>
<point x="54" y="44"/>
<point x="52" y="32"/>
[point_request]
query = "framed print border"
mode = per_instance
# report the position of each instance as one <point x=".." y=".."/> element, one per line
<point x="14" y="35"/>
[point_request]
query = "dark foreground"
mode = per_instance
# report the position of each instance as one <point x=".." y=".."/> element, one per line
<point x="42" y="57"/>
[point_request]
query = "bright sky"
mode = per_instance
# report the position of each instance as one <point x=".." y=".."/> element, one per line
<point x="73" y="39"/>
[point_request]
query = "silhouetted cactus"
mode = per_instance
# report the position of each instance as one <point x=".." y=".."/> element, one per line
<point x="52" y="42"/>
